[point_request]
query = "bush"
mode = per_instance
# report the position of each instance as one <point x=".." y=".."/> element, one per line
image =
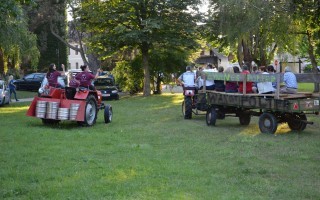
<point x="308" y="68"/>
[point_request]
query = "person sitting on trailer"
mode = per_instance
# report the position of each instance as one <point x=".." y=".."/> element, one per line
<point x="53" y="75"/>
<point x="209" y="83"/>
<point x="232" y="86"/>
<point x="73" y="81"/>
<point x="85" y="77"/>
<point x="220" y="87"/>
<point x="266" y="87"/>
<point x="248" y="84"/>
<point x="290" y="81"/>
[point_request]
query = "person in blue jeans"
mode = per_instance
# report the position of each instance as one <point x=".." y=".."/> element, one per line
<point x="12" y="87"/>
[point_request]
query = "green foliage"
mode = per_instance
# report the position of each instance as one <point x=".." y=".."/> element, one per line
<point x="52" y="49"/>
<point x="17" y="43"/>
<point x="139" y="24"/>
<point x="129" y="75"/>
<point x="308" y="69"/>
<point x="256" y="25"/>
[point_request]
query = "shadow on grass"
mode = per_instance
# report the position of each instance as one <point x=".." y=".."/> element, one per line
<point x="62" y="125"/>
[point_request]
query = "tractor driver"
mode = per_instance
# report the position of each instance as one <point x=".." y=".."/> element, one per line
<point x="85" y="77"/>
<point x="187" y="79"/>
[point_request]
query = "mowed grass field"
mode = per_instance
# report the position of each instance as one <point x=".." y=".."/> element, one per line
<point x="149" y="151"/>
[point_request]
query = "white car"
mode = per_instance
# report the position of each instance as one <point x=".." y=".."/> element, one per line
<point x="4" y="93"/>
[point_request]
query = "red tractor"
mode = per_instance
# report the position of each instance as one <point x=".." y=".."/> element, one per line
<point x="75" y="104"/>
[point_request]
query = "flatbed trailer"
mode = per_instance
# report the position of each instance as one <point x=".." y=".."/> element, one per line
<point x="271" y="109"/>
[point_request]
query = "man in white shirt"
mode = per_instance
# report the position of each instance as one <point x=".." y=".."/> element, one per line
<point x="187" y="79"/>
<point x="210" y="84"/>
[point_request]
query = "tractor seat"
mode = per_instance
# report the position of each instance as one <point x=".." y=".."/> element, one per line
<point x="70" y="92"/>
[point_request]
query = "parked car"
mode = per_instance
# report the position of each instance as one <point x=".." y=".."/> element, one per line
<point x="4" y="93"/>
<point x="107" y="87"/>
<point x="31" y="82"/>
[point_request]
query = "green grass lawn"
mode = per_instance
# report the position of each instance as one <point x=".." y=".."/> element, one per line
<point x="21" y="94"/>
<point x="305" y="87"/>
<point x="149" y="151"/>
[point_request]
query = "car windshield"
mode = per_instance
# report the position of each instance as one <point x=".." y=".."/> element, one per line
<point x="103" y="82"/>
<point x="1" y="84"/>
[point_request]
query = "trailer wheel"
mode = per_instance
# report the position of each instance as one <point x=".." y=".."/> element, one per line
<point x="295" y="122"/>
<point x="244" y="118"/>
<point x="90" y="112"/>
<point x="187" y="108"/>
<point x="268" y="123"/>
<point x="108" y="114"/>
<point x="211" y="117"/>
<point x="50" y="121"/>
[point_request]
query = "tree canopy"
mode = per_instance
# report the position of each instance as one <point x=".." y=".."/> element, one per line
<point x="142" y="24"/>
<point x="17" y="43"/>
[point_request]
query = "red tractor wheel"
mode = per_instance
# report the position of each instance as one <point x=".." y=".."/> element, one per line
<point x="91" y="111"/>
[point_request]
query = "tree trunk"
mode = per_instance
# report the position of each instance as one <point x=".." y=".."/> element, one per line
<point x="313" y="59"/>
<point x="158" y="86"/>
<point x="239" y="53"/>
<point x="145" y="64"/>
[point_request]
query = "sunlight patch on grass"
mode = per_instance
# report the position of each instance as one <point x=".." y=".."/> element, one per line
<point x="122" y="175"/>
<point x="185" y="196"/>
<point x="250" y="131"/>
<point x="283" y="129"/>
<point x="177" y="99"/>
<point x="8" y="110"/>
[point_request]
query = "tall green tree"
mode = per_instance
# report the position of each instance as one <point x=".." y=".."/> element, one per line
<point x="306" y="15"/>
<point x="142" y="24"/>
<point x="46" y="18"/>
<point x="17" y="43"/>
<point x="255" y="28"/>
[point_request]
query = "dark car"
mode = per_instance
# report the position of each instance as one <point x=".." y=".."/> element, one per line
<point x="107" y="87"/>
<point x="30" y="82"/>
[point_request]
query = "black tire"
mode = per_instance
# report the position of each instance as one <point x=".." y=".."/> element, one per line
<point x="108" y="114"/>
<point x="244" y="118"/>
<point x="91" y="112"/>
<point x="211" y="117"/>
<point x="295" y="123"/>
<point x="2" y="104"/>
<point x="50" y="121"/>
<point x="187" y="108"/>
<point x="268" y="123"/>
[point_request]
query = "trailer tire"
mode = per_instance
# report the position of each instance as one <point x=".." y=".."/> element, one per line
<point x="211" y="117"/>
<point x="90" y="112"/>
<point x="268" y="123"/>
<point x="244" y="118"/>
<point x="108" y="114"/>
<point x="187" y="107"/>
<point x="295" y="123"/>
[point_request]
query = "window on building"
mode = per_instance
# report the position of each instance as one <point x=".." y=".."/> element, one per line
<point x="77" y="65"/>
<point x="77" y="51"/>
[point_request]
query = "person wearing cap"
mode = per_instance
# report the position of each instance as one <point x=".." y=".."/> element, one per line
<point x="290" y="81"/>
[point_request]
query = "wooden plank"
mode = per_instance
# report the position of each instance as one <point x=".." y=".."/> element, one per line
<point x="308" y="78"/>
<point x="302" y="78"/>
